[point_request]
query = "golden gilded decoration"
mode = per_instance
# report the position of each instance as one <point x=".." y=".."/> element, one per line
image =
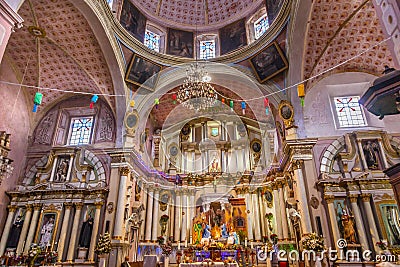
<point x="329" y="198"/>
<point x="286" y="113"/>
<point x="78" y="206"/>
<point x="353" y="198"/>
<point x="37" y="206"/>
<point x="124" y="171"/>
<point x="366" y="197"/>
<point x="12" y="208"/>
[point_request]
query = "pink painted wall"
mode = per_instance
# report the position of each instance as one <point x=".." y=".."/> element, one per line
<point x="18" y="126"/>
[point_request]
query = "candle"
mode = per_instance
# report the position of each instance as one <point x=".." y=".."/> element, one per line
<point x="251" y="245"/>
<point x="186" y="243"/>
<point x="245" y="242"/>
<point x="179" y="245"/>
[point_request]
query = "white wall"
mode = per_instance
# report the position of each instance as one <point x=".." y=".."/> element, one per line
<point x="319" y="110"/>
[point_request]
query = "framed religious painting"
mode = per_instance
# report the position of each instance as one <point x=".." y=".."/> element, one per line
<point x="269" y="62"/>
<point x="233" y="36"/>
<point x="143" y="72"/>
<point x="47" y="230"/>
<point x="180" y="43"/>
<point x="132" y="20"/>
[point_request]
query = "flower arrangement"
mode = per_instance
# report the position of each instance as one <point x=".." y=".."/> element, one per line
<point x="274" y="238"/>
<point x="220" y="245"/>
<point x="33" y="253"/>
<point x="313" y="242"/>
<point x="160" y="240"/>
<point x="104" y="244"/>
<point x="382" y="244"/>
<point x="166" y="248"/>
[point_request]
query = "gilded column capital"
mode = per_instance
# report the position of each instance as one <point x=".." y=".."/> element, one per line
<point x="366" y="197"/>
<point x="329" y="198"/>
<point x="281" y="183"/>
<point x="78" y="206"/>
<point x="37" y="206"/>
<point x="353" y="198"/>
<point x="275" y="185"/>
<point x="124" y="171"/>
<point x="29" y="207"/>
<point x="68" y="205"/>
<point x="297" y="164"/>
<point x="99" y="204"/>
<point x="12" y="208"/>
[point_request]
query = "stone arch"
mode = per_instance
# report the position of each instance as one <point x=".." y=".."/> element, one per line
<point x="329" y="155"/>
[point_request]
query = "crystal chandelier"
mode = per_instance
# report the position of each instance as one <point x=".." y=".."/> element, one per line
<point x="196" y="92"/>
<point x="5" y="163"/>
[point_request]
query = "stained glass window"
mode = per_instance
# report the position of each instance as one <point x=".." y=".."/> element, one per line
<point x="261" y="26"/>
<point x="349" y="112"/>
<point x="81" y="131"/>
<point x="152" y="40"/>
<point x="207" y="49"/>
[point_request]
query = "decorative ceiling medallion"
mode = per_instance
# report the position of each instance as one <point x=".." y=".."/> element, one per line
<point x="37" y="32"/>
<point x="286" y="112"/>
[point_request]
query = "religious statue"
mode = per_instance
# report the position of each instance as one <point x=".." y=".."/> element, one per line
<point x="349" y="232"/>
<point x="370" y="149"/>
<point x="62" y="171"/>
<point x="206" y="231"/>
<point x="197" y="232"/>
<point x="46" y="233"/>
<point x="214" y="166"/>
<point x="15" y="232"/>
<point x="224" y="231"/>
<point x="86" y="233"/>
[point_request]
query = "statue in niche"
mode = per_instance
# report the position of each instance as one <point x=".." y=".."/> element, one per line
<point x="47" y="231"/>
<point x="62" y="170"/>
<point x="349" y="232"/>
<point x="86" y="233"/>
<point x="370" y="150"/>
<point x="15" y="232"/>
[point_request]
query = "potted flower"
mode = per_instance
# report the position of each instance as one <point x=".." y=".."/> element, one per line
<point x="103" y="248"/>
<point x="166" y="251"/>
<point x="313" y="242"/>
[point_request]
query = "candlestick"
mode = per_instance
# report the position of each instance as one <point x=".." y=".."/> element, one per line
<point x="179" y="245"/>
<point x="251" y="245"/>
<point x="245" y="242"/>
<point x="186" y="243"/>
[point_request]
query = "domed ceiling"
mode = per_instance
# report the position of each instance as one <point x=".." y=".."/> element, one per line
<point x="203" y="14"/>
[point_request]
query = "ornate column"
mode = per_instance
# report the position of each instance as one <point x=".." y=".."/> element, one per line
<point x="119" y="223"/>
<point x="24" y="231"/>
<point x="32" y="227"/>
<point x="149" y="212"/>
<point x="7" y="228"/>
<point x="262" y="213"/>
<point x="285" y="224"/>
<point x="257" y="232"/>
<point x="74" y="232"/>
<point x="143" y="225"/>
<point x="177" y="217"/>
<point x="96" y="222"/>
<point x="383" y="154"/>
<point x="363" y="161"/>
<point x="301" y="194"/>
<point x="249" y="222"/>
<point x="64" y="228"/>
<point x="184" y="216"/>
<point x="371" y="221"/>
<point x="192" y="212"/>
<point x="71" y="161"/>
<point x="332" y="217"/>
<point x="156" y="208"/>
<point x="278" y="208"/>
<point x="359" y="222"/>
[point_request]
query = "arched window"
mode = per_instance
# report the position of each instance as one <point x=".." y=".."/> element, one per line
<point x="207" y="46"/>
<point x="154" y="38"/>
<point x="261" y="26"/>
<point x="257" y="25"/>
